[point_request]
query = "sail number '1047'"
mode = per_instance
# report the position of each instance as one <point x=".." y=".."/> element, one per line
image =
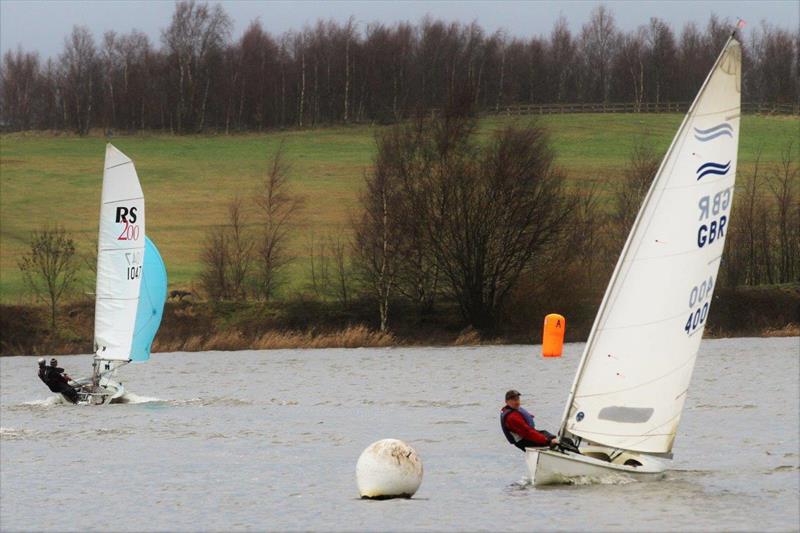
<point x="699" y="300"/>
<point x="713" y="208"/>
<point x="134" y="268"/>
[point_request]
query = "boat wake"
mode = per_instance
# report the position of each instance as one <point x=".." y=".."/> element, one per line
<point x="57" y="399"/>
<point x="578" y="481"/>
<point x="599" y="480"/>
<point x="132" y="398"/>
<point x="214" y="400"/>
<point x="50" y="401"/>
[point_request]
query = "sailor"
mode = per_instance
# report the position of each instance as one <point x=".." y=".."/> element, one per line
<point x="57" y="380"/>
<point x="519" y="428"/>
<point x="42" y="369"/>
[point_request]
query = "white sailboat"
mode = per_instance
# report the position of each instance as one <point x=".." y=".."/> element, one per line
<point x="632" y="380"/>
<point x="131" y="282"/>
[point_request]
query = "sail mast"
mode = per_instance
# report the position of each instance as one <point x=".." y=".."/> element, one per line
<point x="626" y="251"/>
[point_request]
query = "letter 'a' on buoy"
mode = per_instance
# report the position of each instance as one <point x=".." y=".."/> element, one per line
<point x="388" y="468"/>
<point x="553" y="335"/>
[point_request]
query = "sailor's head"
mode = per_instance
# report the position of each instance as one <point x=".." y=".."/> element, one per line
<point x="41" y="361"/>
<point x="512" y="399"/>
<point x="53" y="362"/>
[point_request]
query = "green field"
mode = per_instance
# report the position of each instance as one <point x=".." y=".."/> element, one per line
<point x="50" y="179"/>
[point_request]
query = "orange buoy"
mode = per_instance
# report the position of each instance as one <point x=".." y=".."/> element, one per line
<point x="553" y="335"/>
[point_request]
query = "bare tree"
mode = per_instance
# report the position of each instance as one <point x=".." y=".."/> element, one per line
<point x="240" y="250"/>
<point x="51" y="267"/>
<point x="227" y="257"/>
<point x="484" y="210"/>
<point x="377" y="234"/>
<point x="80" y="77"/>
<point x="661" y="60"/>
<point x="563" y="61"/>
<point x="344" y="71"/>
<point x="598" y="46"/>
<point x="629" y="69"/>
<point x="630" y="190"/>
<point x="277" y="206"/>
<point x="339" y="246"/>
<point x="20" y="84"/>
<point x="194" y="40"/>
<point x="741" y="263"/>
<point x="783" y="184"/>
<point x="319" y="267"/>
<point x="214" y="262"/>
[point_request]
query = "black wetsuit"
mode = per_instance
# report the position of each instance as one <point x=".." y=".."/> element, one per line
<point x="54" y="379"/>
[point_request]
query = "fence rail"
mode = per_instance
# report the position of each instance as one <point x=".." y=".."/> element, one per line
<point x="631" y="107"/>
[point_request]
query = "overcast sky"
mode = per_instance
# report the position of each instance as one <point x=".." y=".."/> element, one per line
<point x="42" y="25"/>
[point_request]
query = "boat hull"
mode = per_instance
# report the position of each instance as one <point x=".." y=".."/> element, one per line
<point x="105" y="392"/>
<point x="551" y="467"/>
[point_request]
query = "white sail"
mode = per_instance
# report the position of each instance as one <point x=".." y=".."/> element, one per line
<point x="637" y="365"/>
<point x="120" y="252"/>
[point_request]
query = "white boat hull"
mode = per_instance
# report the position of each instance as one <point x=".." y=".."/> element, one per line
<point x="551" y="467"/>
<point x="107" y="391"/>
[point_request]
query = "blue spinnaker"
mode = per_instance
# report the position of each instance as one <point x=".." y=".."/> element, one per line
<point x="152" y="295"/>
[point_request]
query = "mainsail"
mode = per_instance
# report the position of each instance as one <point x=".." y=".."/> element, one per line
<point x="120" y="258"/>
<point x="635" y="371"/>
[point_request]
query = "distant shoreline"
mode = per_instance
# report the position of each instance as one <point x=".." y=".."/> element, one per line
<point x="360" y="337"/>
<point x="764" y="312"/>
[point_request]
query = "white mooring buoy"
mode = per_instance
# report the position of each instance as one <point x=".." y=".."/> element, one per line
<point x="388" y="468"/>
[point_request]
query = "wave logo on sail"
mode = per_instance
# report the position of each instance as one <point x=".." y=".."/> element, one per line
<point x="713" y="132"/>
<point x="718" y="169"/>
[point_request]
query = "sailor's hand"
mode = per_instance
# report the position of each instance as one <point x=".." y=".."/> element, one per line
<point x="553" y="442"/>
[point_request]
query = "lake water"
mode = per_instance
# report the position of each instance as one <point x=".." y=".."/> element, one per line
<point x="269" y="440"/>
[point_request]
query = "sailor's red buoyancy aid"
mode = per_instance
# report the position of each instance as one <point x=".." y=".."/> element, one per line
<point x="512" y="437"/>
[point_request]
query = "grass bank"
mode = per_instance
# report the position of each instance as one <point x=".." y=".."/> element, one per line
<point x="299" y="323"/>
<point x="188" y="180"/>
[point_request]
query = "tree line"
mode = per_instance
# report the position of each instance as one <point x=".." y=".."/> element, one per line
<point x="197" y="78"/>
<point x="476" y="229"/>
<point x="452" y="228"/>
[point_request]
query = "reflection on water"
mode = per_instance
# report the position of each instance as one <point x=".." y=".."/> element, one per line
<point x="269" y="440"/>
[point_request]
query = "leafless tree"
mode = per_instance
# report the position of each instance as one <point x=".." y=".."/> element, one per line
<point x="194" y="40"/>
<point x="629" y="68"/>
<point x="51" y="267"/>
<point x="783" y="183"/>
<point x="240" y="250"/>
<point x="377" y="234"/>
<point x="629" y="191"/>
<point x="338" y="247"/>
<point x="484" y="210"/>
<point x="80" y="77"/>
<point x="660" y="60"/>
<point x="277" y="207"/>
<point x="740" y="264"/>
<point x="214" y="263"/>
<point x="332" y="71"/>
<point x="227" y="257"/>
<point x="319" y="267"/>
<point x="598" y="46"/>
<point x="20" y="87"/>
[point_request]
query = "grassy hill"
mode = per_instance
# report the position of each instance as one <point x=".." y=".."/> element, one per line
<point x="189" y="180"/>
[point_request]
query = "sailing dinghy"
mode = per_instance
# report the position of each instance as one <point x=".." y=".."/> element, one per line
<point x="632" y="380"/>
<point x="131" y="283"/>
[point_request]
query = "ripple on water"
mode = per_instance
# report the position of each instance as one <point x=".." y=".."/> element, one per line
<point x="15" y="433"/>
<point x="215" y="437"/>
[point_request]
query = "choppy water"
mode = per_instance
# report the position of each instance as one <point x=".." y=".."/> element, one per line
<point x="269" y="440"/>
